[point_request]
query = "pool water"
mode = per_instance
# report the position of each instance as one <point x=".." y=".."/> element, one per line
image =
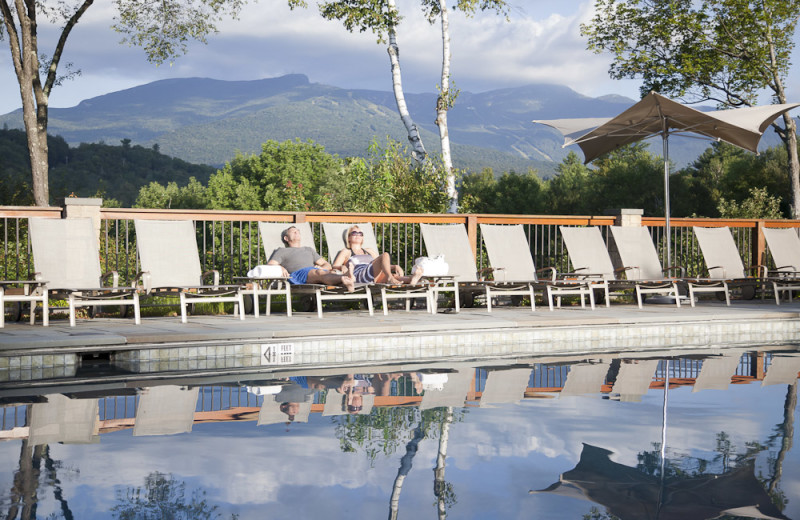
<point x="468" y="439"/>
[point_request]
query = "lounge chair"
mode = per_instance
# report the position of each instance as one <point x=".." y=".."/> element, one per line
<point x="65" y="254"/>
<point x="717" y="371"/>
<point x="641" y="264"/>
<point x="453" y="392"/>
<point x="334" y="236"/>
<point x="505" y="386"/>
<point x="63" y="420"/>
<point x="634" y="378"/>
<point x="514" y="271"/>
<point x="590" y="259"/>
<point x="585" y="378"/>
<point x="170" y="264"/>
<point x="32" y="291"/>
<point x="451" y="241"/>
<point x="784" y="245"/>
<point x="271" y="238"/>
<point x="723" y="264"/>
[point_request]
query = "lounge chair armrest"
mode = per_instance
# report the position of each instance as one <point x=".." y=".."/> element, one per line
<point x="38" y="277"/>
<point x="777" y="273"/>
<point x="114" y="275"/>
<point x="667" y="270"/>
<point x="709" y="268"/>
<point x="759" y="270"/>
<point x="620" y="270"/>
<point x="213" y="272"/>
<point x="551" y="270"/>
<point x="486" y="271"/>
<point x="147" y="282"/>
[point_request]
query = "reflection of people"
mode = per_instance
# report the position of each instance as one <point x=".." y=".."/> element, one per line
<point x="290" y="409"/>
<point x="366" y="265"/>
<point x="303" y="264"/>
<point x="382" y="383"/>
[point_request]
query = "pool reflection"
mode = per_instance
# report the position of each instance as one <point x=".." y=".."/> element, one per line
<point x="482" y="433"/>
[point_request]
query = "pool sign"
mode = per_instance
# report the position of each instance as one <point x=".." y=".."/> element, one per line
<point x="277" y="353"/>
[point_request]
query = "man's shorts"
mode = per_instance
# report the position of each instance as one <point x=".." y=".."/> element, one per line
<point x="300" y="276"/>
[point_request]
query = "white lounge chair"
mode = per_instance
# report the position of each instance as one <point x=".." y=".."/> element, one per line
<point x="589" y="258"/>
<point x="784" y="245"/>
<point x="641" y="264"/>
<point x="31" y="291"/>
<point x="170" y="264"/>
<point x="723" y="264"/>
<point x="335" y="237"/>
<point x="165" y="410"/>
<point x="63" y="420"/>
<point x="65" y="254"/>
<point x="271" y="238"/>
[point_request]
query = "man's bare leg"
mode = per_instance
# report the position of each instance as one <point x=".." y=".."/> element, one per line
<point x="324" y="277"/>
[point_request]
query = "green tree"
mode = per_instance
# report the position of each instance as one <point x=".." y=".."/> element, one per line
<point x="723" y="50"/>
<point x="286" y="176"/>
<point x="162" y="29"/>
<point x="568" y="192"/>
<point x="628" y="177"/>
<point x="758" y="205"/>
<point x="154" y="195"/>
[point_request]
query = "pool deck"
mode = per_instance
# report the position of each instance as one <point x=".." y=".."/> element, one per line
<point x="113" y="334"/>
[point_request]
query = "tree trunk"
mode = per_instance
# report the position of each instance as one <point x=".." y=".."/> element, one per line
<point x="402" y="472"/>
<point x="443" y="104"/>
<point x="794" y="163"/>
<point x="787" y="430"/>
<point x="417" y="148"/>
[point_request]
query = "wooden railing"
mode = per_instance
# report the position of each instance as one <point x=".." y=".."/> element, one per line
<point x="229" y="241"/>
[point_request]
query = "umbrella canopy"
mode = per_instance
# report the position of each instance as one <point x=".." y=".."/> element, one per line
<point x="657" y="115"/>
<point x="631" y="494"/>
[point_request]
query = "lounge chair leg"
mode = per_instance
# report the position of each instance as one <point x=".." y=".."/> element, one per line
<point x="488" y="299"/>
<point x="533" y="303"/>
<point x="137" y="311"/>
<point x="455" y="292"/>
<point x="45" y="309"/>
<point x="608" y="297"/>
<point x="550" y="297"/>
<point x="677" y="295"/>
<point x="240" y="303"/>
<point x="319" y="304"/>
<point x="288" y="300"/>
<point x="183" y="308"/>
<point x="369" y="302"/>
<point x="2" y="310"/>
<point x="691" y="295"/>
<point x="384" y="303"/>
<point x="71" y="310"/>
<point x="727" y="295"/>
<point x="591" y="297"/>
<point x="639" y="296"/>
<point x="778" y="294"/>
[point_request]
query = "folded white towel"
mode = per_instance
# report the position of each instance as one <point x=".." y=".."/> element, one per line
<point x="265" y="271"/>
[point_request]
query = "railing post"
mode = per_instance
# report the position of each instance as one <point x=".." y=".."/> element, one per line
<point x="759" y="247"/>
<point x="472" y="233"/>
<point x="299" y="217"/>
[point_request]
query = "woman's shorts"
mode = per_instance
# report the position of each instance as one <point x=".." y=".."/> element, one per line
<point x="363" y="273"/>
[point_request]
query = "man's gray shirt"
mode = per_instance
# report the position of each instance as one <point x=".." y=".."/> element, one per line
<point x="294" y="258"/>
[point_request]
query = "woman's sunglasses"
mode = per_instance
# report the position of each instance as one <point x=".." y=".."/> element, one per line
<point x="357" y="233"/>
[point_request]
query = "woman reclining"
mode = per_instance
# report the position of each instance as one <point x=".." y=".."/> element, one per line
<point x="366" y="265"/>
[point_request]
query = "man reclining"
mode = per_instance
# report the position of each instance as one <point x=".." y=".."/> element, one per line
<point x="303" y="264"/>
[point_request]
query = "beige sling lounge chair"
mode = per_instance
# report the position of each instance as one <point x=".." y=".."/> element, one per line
<point x="335" y="237"/>
<point x="65" y="254"/>
<point x="170" y="264"/>
<point x="723" y="264"/>
<point x="271" y="238"/>
<point x="590" y="260"/>
<point x="641" y="264"/>
<point x="784" y="245"/>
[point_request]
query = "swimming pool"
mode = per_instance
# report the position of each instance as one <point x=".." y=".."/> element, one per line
<point x="471" y="438"/>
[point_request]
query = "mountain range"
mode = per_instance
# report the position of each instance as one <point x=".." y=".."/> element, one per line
<point x="207" y="121"/>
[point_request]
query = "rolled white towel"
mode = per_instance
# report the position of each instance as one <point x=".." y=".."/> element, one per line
<point x="265" y="271"/>
<point x="435" y="266"/>
<point x="433" y="381"/>
<point x="264" y="390"/>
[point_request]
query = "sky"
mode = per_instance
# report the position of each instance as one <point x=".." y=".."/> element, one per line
<point x="540" y="43"/>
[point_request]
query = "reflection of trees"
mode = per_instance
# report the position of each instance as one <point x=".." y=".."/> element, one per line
<point x="384" y="430"/>
<point x="163" y="497"/>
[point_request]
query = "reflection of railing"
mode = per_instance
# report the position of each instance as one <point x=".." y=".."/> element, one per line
<point x="229" y="241"/>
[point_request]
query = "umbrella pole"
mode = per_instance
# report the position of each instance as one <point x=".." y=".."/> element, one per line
<point x="663" y="438"/>
<point x="665" y="141"/>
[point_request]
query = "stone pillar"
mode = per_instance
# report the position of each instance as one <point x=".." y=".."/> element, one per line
<point x="623" y="218"/>
<point x="82" y="207"/>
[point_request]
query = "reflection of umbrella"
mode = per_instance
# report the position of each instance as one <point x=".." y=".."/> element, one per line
<point x="657" y="115"/>
<point x="630" y="494"/>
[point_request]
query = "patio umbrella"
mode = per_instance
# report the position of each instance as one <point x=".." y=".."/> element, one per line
<point x="629" y="494"/>
<point x="656" y="115"/>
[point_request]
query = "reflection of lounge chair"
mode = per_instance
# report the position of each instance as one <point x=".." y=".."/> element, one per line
<point x="336" y="403"/>
<point x="271" y="238"/>
<point x="512" y="265"/>
<point x="783" y="369"/>
<point x="641" y="264"/>
<point x="453" y="392"/>
<point x="634" y="378"/>
<point x="723" y="264"/>
<point x="165" y="410"/>
<point x="171" y="266"/>
<point x="585" y="378"/>
<point x="716" y="372"/>
<point x="784" y="245"/>
<point x="505" y="386"/>
<point x="65" y="420"/>
<point x="335" y="237"/>
<point x="66" y="256"/>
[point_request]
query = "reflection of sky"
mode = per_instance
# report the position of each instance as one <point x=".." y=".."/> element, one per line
<point x="495" y="455"/>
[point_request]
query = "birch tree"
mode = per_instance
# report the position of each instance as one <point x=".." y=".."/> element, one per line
<point x="163" y="30"/>
<point x="728" y="51"/>
<point x="382" y="18"/>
